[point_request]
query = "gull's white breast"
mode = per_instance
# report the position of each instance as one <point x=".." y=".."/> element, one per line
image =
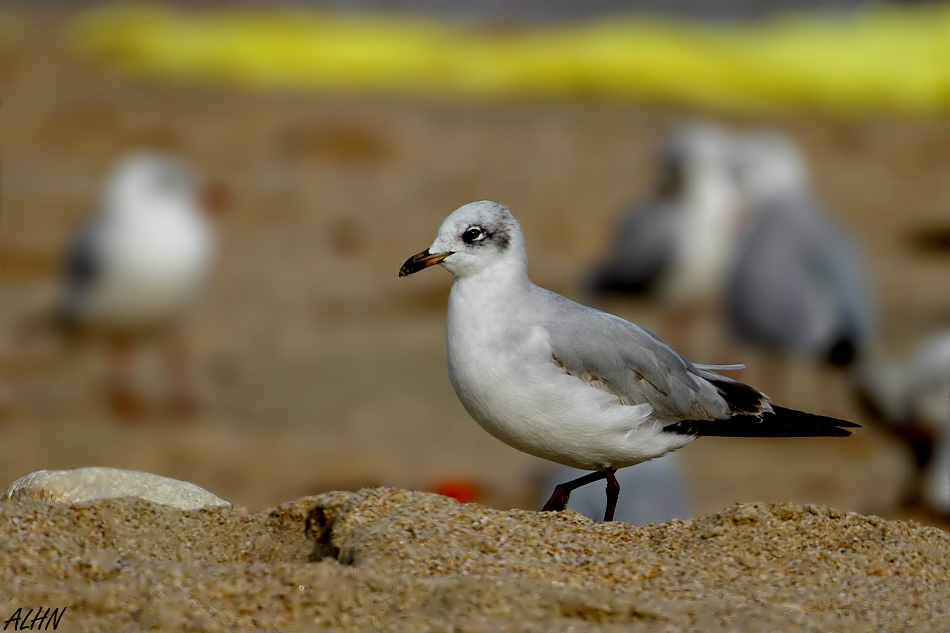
<point x="502" y="368"/>
<point x="151" y="265"/>
<point x="706" y="242"/>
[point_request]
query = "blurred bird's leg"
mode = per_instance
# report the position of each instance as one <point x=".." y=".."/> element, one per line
<point x="936" y="479"/>
<point x="182" y="401"/>
<point x="123" y="400"/>
<point x="679" y="323"/>
<point x="836" y="399"/>
<point x="713" y="341"/>
<point x="6" y="405"/>
<point x="774" y="374"/>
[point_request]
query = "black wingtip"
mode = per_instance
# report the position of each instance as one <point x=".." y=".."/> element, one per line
<point x="780" y="422"/>
<point x="741" y="398"/>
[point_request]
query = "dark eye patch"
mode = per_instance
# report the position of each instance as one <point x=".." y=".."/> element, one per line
<point x="473" y="234"/>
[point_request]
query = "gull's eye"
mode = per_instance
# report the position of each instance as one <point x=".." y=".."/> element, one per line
<point x="473" y="234"/>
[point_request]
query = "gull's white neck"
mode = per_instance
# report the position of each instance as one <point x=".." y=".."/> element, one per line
<point x="482" y="309"/>
<point x="493" y="291"/>
<point x="485" y="322"/>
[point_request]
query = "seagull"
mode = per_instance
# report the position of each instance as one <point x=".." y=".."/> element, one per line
<point x="912" y="400"/>
<point x="800" y="283"/>
<point x="136" y="266"/>
<point x="679" y="241"/>
<point x="571" y="384"/>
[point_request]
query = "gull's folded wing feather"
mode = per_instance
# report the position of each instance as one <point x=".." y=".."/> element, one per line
<point x="632" y="363"/>
<point x="733" y="367"/>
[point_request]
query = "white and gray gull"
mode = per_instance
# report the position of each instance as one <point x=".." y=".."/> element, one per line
<point x="912" y="400"/>
<point x="800" y="284"/>
<point x="137" y="265"/>
<point x="680" y="240"/>
<point x="569" y="383"/>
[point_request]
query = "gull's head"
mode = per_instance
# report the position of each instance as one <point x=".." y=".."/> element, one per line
<point x="474" y="238"/>
<point x="769" y="165"/>
<point x="692" y="153"/>
<point x="150" y="178"/>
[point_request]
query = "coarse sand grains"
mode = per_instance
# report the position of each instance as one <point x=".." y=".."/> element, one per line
<point x="389" y="559"/>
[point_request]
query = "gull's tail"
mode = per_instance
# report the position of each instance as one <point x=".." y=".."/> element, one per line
<point x="753" y="415"/>
<point x="780" y="422"/>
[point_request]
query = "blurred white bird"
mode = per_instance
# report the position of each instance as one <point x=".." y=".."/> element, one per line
<point x="679" y="243"/>
<point x="912" y="399"/>
<point x="137" y="265"/>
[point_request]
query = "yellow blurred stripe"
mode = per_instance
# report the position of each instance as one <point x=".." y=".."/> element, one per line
<point x="880" y="59"/>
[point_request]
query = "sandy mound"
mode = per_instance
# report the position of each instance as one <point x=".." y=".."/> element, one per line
<point x="396" y="560"/>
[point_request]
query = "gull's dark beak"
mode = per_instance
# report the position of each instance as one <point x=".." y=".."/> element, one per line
<point x="421" y="260"/>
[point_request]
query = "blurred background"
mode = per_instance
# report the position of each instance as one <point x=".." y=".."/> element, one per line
<point x="343" y="140"/>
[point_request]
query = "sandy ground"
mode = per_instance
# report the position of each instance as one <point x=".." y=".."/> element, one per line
<point x="320" y="369"/>
<point x="391" y="560"/>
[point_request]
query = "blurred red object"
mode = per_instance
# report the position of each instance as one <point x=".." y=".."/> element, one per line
<point x="462" y="490"/>
<point x="216" y="197"/>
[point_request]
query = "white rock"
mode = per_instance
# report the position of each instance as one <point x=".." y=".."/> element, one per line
<point x="90" y="484"/>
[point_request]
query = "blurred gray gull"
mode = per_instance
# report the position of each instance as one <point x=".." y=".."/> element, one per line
<point x="680" y="240"/>
<point x="571" y="384"/>
<point x="912" y="401"/>
<point x="137" y="265"/>
<point x="800" y="284"/>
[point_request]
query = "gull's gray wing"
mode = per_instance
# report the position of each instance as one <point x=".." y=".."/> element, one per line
<point x="633" y="363"/>
<point x="642" y="248"/>
<point x="612" y="354"/>
<point x="800" y="284"/>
